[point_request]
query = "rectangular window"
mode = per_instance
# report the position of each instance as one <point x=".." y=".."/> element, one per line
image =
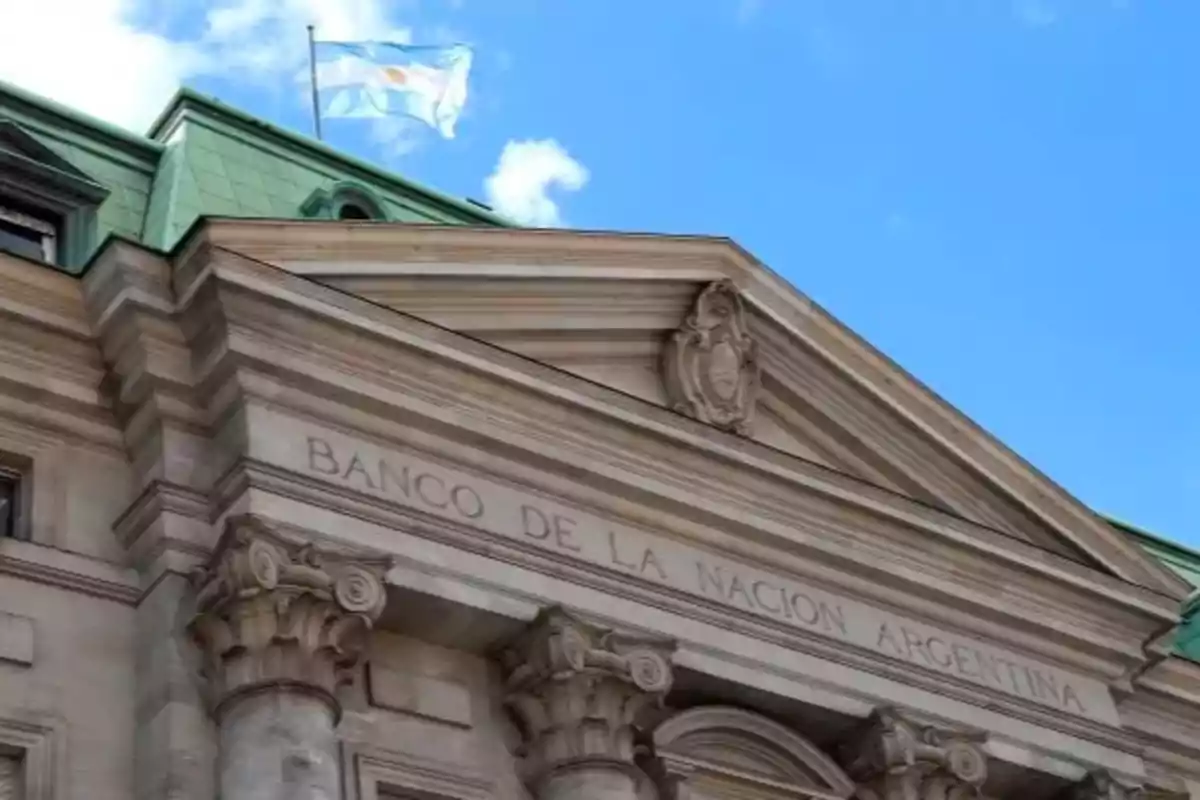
<point x="12" y="781"/>
<point x="10" y="484"/>
<point x="28" y="234"/>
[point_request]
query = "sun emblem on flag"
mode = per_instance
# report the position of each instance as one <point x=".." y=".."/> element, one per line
<point x="396" y="74"/>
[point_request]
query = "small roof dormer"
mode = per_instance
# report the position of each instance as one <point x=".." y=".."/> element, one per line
<point x="47" y="204"/>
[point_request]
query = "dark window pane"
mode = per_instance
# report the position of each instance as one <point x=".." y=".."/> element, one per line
<point x="352" y="211"/>
<point x="8" y="504"/>
<point x="20" y="240"/>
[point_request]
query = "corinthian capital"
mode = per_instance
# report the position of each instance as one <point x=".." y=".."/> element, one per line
<point x="277" y="614"/>
<point x="578" y="692"/>
<point x="893" y="758"/>
<point x="1101" y="785"/>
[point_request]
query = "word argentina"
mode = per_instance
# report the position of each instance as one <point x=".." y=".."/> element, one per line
<point x="501" y="510"/>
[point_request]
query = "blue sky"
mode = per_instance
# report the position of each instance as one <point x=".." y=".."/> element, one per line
<point x="999" y="194"/>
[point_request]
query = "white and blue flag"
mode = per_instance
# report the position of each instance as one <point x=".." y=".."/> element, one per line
<point x="380" y="79"/>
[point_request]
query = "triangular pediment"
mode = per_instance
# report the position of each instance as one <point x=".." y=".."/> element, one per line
<point x="628" y="311"/>
<point x="23" y="154"/>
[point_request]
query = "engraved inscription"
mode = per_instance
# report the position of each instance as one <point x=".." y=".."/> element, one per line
<point x="524" y="517"/>
<point x="424" y="487"/>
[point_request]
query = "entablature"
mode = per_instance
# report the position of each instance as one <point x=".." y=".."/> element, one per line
<point x="296" y="345"/>
<point x="267" y="362"/>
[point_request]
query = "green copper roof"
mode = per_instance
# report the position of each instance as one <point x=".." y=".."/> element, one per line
<point x="204" y="158"/>
<point x="1185" y="562"/>
<point x="223" y="162"/>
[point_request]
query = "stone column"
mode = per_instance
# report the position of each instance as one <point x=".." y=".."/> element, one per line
<point x="579" y="694"/>
<point x="894" y="758"/>
<point x="280" y="626"/>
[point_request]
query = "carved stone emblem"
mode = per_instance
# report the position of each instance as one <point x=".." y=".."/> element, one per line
<point x="710" y="365"/>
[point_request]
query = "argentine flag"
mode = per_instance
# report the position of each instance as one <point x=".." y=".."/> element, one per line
<point x="380" y="79"/>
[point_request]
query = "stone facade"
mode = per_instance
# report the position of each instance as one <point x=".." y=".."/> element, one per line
<point x="324" y="510"/>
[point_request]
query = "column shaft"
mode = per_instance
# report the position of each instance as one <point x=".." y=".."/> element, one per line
<point x="280" y="624"/>
<point x="278" y="746"/>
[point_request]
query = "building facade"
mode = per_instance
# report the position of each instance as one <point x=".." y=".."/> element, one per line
<point x="317" y="484"/>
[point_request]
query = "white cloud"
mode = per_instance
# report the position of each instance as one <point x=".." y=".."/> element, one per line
<point x="84" y="54"/>
<point x="520" y="185"/>
<point x="102" y="63"/>
<point x="268" y="37"/>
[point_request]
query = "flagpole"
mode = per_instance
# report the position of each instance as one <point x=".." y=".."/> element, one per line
<point x="312" y="74"/>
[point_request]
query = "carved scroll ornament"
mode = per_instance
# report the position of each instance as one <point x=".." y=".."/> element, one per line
<point x="272" y="613"/>
<point x="710" y="365"/>
<point x="893" y="758"/>
<point x="1101" y="785"/>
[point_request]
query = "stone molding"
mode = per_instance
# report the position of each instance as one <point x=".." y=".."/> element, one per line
<point x="274" y="614"/>
<point x="37" y="745"/>
<point x="710" y="365"/>
<point x="375" y="772"/>
<point x="738" y="748"/>
<point x="895" y="758"/>
<point x="579" y="693"/>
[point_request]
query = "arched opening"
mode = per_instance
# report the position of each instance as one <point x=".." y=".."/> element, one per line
<point x="721" y="753"/>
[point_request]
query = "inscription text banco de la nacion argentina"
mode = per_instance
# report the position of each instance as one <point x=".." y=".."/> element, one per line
<point x="499" y="509"/>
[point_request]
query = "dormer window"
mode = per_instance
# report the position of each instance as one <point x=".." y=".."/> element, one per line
<point x="48" y="206"/>
<point x="29" y="234"/>
<point x="345" y="201"/>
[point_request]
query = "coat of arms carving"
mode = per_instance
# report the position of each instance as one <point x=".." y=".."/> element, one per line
<point x="710" y="365"/>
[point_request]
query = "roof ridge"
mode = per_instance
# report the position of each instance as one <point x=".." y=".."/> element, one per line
<point x="76" y="117"/>
<point x="1154" y="538"/>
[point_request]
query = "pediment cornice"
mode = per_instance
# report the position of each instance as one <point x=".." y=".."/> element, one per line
<point x="650" y="279"/>
<point x="25" y="157"/>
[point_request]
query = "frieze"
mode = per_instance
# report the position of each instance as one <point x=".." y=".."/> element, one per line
<point x="501" y="510"/>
